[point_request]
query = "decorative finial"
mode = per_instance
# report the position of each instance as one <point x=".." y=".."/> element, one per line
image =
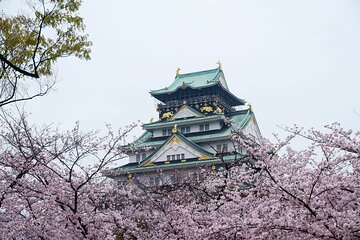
<point x="178" y="71"/>
<point x="250" y="107"/>
<point x="184" y="102"/>
<point x="174" y="130"/>
<point x="151" y="119"/>
<point x="219" y="63"/>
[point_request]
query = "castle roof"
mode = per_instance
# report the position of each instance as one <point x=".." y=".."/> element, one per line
<point x="200" y="101"/>
<point x="197" y="80"/>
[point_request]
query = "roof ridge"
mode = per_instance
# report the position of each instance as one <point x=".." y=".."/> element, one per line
<point x="199" y="72"/>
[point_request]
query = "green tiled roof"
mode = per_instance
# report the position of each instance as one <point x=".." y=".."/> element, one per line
<point x="180" y="122"/>
<point x="240" y="120"/>
<point x="194" y="80"/>
<point x="144" y="137"/>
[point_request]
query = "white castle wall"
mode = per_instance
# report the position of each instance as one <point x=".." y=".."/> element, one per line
<point x="215" y="125"/>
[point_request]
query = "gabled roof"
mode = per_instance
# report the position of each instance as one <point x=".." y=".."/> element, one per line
<point x="177" y="138"/>
<point x="240" y="120"/>
<point x="185" y="112"/>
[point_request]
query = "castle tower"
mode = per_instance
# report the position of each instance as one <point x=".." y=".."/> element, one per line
<point x="190" y="131"/>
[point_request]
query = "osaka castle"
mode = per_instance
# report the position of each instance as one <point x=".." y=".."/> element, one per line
<point x="190" y="132"/>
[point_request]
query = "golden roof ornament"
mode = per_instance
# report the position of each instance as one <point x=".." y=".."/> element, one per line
<point x="151" y="119"/>
<point x="178" y="71"/>
<point x="250" y="107"/>
<point x="167" y="115"/>
<point x="219" y="64"/>
<point x="174" y="130"/>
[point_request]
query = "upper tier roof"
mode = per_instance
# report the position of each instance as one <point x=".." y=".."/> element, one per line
<point x="198" y="81"/>
<point x="195" y="80"/>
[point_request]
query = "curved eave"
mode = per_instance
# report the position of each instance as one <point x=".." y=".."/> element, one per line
<point x="166" y="92"/>
<point x="162" y="124"/>
<point x="235" y="100"/>
<point x="239" y="100"/>
<point x="188" y="164"/>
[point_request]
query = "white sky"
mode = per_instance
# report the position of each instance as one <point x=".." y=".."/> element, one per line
<point x="297" y="62"/>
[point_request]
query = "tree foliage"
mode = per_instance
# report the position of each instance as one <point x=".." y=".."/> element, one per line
<point x="30" y="44"/>
<point x="50" y="182"/>
<point x="313" y="193"/>
<point x="51" y="188"/>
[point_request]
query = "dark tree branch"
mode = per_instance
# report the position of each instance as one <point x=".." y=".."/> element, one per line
<point x="16" y="68"/>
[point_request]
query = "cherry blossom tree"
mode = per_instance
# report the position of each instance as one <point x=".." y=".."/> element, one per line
<point x="279" y="193"/>
<point x="51" y="185"/>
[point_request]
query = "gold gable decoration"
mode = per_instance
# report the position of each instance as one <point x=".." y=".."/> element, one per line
<point x="174" y="139"/>
<point x="167" y="115"/>
<point x="204" y="157"/>
<point x="174" y="130"/>
<point x="206" y="109"/>
<point x="148" y="164"/>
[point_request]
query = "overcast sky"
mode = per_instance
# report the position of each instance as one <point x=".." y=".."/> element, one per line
<point x="297" y="62"/>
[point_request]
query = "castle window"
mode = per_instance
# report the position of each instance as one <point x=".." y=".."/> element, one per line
<point x="178" y="156"/>
<point x="168" y="157"/>
<point x="164" y="132"/>
<point x="172" y="157"/>
<point x="138" y="157"/>
<point x="154" y="181"/>
<point x="204" y="127"/>
<point x="185" y="129"/>
<point x="225" y="148"/>
<point x="143" y="156"/>
<point x="221" y="148"/>
<point x="182" y="156"/>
